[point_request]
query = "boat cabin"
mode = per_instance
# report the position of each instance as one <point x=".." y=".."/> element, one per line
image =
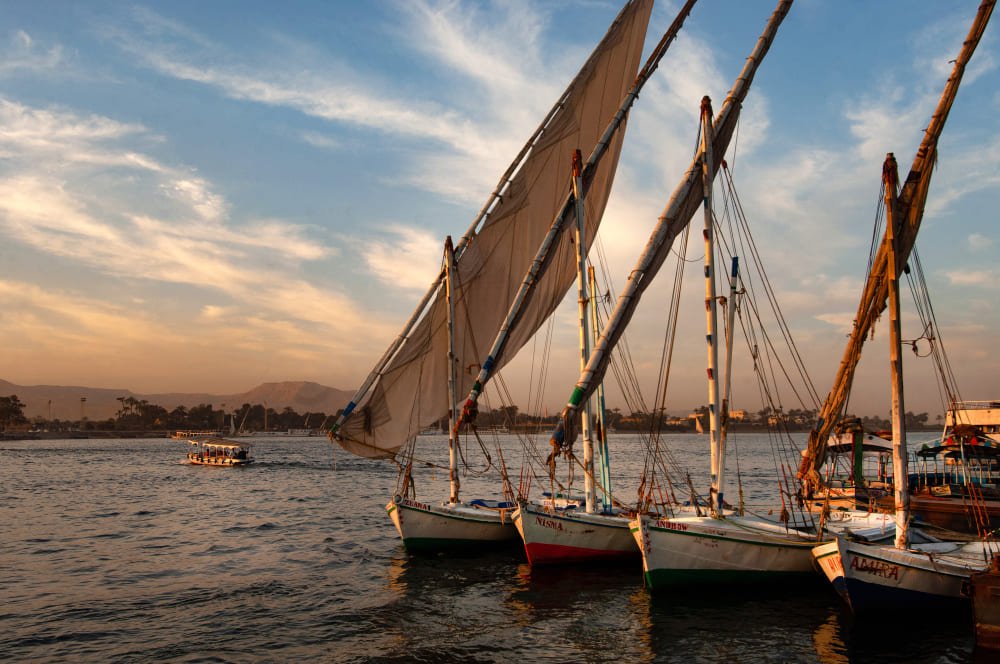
<point x="218" y="452"/>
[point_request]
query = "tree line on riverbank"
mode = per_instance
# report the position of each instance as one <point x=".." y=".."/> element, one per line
<point x="141" y="415"/>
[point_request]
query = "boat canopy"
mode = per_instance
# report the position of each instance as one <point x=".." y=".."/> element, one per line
<point x="221" y="444"/>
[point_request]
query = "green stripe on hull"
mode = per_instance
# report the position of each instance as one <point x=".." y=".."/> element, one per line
<point x="666" y="578"/>
<point x="458" y="517"/>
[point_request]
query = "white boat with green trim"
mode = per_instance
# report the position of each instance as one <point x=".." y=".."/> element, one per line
<point x="700" y="549"/>
<point x="426" y="527"/>
<point x="688" y="550"/>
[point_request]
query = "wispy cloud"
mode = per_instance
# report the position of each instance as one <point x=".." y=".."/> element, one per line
<point x="404" y="257"/>
<point x="156" y="223"/>
<point x="319" y="140"/>
<point x="973" y="277"/>
<point x="979" y="242"/>
<point x="22" y="54"/>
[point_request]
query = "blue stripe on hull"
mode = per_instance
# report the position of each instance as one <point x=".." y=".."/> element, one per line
<point x="869" y="597"/>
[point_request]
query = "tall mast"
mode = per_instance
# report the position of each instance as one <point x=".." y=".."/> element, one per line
<point x="583" y="302"/>
<point x="711" y="308"/>
<point x="681" y="207"/>
<point x="900" y="476"/>
<point x="449" y="272"/>
<point x="602" y="429"/>
<point x="910" y="206"/>
<point x="543" y="255"/>
<point x="724" y="414"/>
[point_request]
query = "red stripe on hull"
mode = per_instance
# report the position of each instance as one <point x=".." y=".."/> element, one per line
<point x="551" y="554"/>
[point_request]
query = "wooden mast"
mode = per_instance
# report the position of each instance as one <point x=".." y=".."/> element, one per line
<point x="900" y="476"/>
<point x="583" y="302"/>
<point x="492" y="203"/>
<point x="910" y="206"/>
<point x="449" y="272"/>
<point x="711" y="308"/>
<point x="681" y="207"/>
<point x="543" y="255"/>
<point x="601" y="433"/>
<point x="727" y="389"/>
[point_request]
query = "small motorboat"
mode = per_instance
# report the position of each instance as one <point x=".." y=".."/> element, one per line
<point x="218" y="452"/>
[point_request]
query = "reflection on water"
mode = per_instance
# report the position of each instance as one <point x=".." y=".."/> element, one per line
<point x="113" y="551"/>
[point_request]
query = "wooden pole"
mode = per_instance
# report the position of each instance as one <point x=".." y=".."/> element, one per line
<point x="900" y="476"/>
<point x="583" y="302"/>
<point x="711" y="307"/>
<point x="449" y="272"/>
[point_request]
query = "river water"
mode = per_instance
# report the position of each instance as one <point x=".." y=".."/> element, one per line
<point x="117" y="551"/>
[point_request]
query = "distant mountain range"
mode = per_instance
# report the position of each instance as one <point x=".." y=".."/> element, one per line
<point x="64" y="401"/>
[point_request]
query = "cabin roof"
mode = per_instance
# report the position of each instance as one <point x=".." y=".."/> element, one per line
<point x="221" y="444"/>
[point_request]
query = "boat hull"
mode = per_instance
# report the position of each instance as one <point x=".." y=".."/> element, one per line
<point x="426" y="527"/>
<point x="985" y="588"/>
<point x="223" y="462"/>
<point x="562" y="536"/>
<point x="959" y="513"/>
<point x="874" y="577"/>
<point x="694" y="550"/>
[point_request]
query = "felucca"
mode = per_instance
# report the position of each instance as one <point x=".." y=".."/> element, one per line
<point x="903" y="576"/>
<point x="417" y="381"/>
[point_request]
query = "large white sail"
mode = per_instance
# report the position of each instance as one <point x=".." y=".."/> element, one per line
<point x="410" y="392"/>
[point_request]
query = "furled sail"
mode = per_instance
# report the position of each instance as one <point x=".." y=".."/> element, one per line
<point x="409" y="391"/>
<point x="873" y="300"/>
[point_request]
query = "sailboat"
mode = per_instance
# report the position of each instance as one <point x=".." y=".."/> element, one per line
<point x="416" y="382"/>
<point x="771" y="541"/>
<point x="553" y="535"/>
<point x="559" y="534"/>
<point x="904" y="575"/>
<point x="707" y="547"/>
<point x="721" y="546"/>
<point x="555" y="530"/>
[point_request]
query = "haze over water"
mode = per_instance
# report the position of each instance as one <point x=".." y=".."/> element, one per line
<point x="114" y="550"/>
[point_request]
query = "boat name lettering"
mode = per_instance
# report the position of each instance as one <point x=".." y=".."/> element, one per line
<point x="413" y="503"/>
<point x="876" y="567"/>
<point x="664" y="523"/>
<point x="548" y="523"/>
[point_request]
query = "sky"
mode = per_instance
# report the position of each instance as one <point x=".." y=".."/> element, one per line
<point x="201" y="197"/>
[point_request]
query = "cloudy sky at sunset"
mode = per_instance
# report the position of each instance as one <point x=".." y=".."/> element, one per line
<point x="201" y="197"/>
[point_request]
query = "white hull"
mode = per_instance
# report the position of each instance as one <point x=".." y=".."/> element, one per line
<point x="704" y="549"/>
<point x="559" y="536"/>
<point x="875" y="577"/>
<point x="433" y="527"/>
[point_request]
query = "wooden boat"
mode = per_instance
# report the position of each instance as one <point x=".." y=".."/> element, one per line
<point x="954" y="481"/>
<point x="903" y="576"/>
<point x="873" y="578"/>
<point x="419" y="379"/>
<point x="984" y="587"/>
<point x="551" y="535"/>
<point x="188" y="434"/>
<point x="218" y="452"/>
<point x="559" y="535"/>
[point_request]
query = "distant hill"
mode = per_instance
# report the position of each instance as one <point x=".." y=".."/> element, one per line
<point x="102" y="403"/>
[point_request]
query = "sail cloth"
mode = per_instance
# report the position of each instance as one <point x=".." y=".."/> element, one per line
<point x="412" y="391"/>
